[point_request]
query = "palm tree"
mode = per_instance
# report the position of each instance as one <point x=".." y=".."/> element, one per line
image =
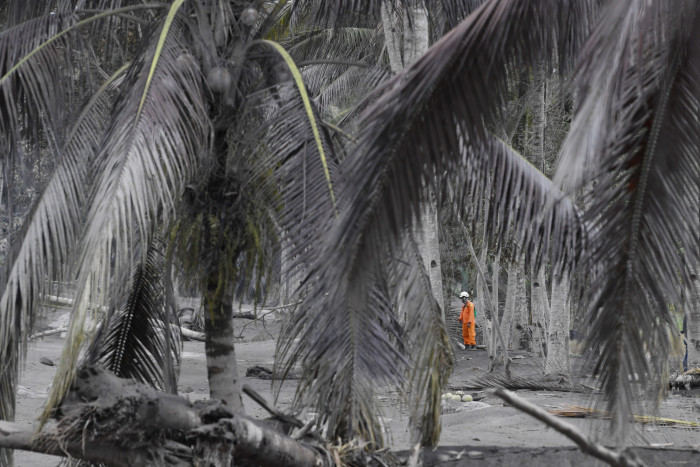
<point x="183" y="120"/>
<point x="634" y="134"/>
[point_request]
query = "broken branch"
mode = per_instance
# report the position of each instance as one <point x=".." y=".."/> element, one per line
<point x="584" y="442"/>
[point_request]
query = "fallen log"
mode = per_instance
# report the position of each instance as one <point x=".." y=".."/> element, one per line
<point x="188" y="333"/>
<point x="687" y="380"/>
<point x="49" y="332"/>
<point x="123" y="423"/>
<point x="15" y="436"/>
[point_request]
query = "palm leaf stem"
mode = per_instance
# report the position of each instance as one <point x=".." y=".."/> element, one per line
<point x="77" y="25"/>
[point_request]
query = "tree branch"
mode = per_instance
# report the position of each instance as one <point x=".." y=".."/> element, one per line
<point x="584" y="442"/>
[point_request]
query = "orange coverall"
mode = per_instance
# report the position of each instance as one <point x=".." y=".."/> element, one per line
<point x="466" y="317"/>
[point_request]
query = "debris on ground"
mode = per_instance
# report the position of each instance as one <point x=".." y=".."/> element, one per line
<point x="687" y="379"/>
<point x="576" y="411"/>
<point x="259" y="372"/>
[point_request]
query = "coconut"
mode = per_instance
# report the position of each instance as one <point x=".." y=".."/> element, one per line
<point x="219" y="79"/>
<point x="467" y="398"/>
<point x="249" y="16"/>
<point x="447" y="395"/>
<point x="456" y="398"/>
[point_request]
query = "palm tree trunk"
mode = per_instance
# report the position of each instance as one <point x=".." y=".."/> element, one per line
<point x="539" y="118"/>
<point x="520" y="335"/>
<point x="221" y="355"/>
<point x="540" y="311"/>
<point x="509" y="310"/>
<point x="391" y="36"/>
<point x="490" y="327"/>
<point x="558" y="331"/>
<point x="416" y="39"/>
<point x="693" y="325"/>
<point x="427" y="237"/>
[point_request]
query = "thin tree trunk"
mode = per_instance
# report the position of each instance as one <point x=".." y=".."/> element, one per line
<point x="540" y="310"/>
<point x="221" y="355"/>
<point x="509" y="309"/>
<point x="539" y="117"/>
<point x="558" y="332"/>
<point x="519" y="331"/>
<point x="391" y="36"/>
<point x="490" y="328"/>
<point x="416" y="31"/>
<point x="693" y="324"/>
<point x="416" y="40"/>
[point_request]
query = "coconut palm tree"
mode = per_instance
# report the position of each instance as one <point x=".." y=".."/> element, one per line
<point x="176" y="118"/>
<point x="634" y="134"/>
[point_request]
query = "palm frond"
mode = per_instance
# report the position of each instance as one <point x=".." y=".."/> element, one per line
<point x="33" y="92"/>
<point x="643" y="206"/>
<point x="429" y="344"/>
<point x="297" y="177"/>
<point x="527" y="212"/>
<point x="455" y="11"/>
<point x="47" y="239"/>
<point x="141" y="167"/>
<point x="414" y="132"/>
<point x="134" y="341"/>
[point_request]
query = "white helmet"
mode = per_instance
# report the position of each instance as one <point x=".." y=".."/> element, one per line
<point x="464" y="294"/>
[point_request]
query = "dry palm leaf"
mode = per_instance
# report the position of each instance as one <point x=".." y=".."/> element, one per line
<point x="576" y="411"/>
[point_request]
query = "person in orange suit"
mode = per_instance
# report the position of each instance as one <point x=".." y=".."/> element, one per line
<point x="468" y="320"/>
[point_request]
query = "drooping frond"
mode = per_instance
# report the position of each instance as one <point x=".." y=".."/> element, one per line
<point x="133" y="343"/>
<point x="526" y="209"/>
<point x="35" y="79"/>
<point x="428" y="344"/>
<point x="158" y="129"/>
<point x="643" y="157"/>
<point x="454" y="12"/>
<point x="361" y="349"/>
<point x="46" y="241"/>
<point x="304" y="199"/>
<point x="413" y="133"/>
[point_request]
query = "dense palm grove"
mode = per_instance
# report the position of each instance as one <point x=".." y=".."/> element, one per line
<point x="236" y="146"/>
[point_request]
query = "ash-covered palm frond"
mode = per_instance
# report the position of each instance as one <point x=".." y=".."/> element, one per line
<point x="43" y="246"/>
<point x="414" y="132"/>
<point x="361" y="344"/>
<point x="643" y="157"/>
<point x="428" y="343"/>
<point x="528" y="213"/>
<point x="158" y="129"/>
<point x="133" y="342"/>
<point x="35" y="94"/>
<point x="454" y="12"/>
<point x="297" y="183"/>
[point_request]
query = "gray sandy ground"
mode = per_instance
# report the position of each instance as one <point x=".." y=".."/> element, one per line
<point x="500" y="435"/>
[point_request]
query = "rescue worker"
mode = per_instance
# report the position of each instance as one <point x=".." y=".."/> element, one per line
<point x="468" y="320"/>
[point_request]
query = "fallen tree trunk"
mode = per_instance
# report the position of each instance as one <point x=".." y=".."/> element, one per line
<point x="188" y="333"/>
<point x="123" y="423"/>
<point x="15" y="436"/>
<point x="687" y="380"/>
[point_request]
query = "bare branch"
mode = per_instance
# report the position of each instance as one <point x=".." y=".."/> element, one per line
<point x="584" y="442"/>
